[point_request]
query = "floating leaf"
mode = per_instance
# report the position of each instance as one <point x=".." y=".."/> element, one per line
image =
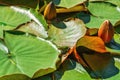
<point x="11" y="17"/>
<point x="71" y="3"/>
<point x="114" y="45"/>
<point x="110" y="12"/>
<point x="4" y="27"/>
<point x="27" y="55"/>
<point x="33" y="28"/>
<point x="75" y="29"/>
<point x="93" y="43"/>
<point x="115" y="2"/>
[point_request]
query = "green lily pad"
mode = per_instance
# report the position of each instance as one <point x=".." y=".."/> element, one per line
<point x="27" y="55"/>
<point x="116" y="2"/>
<point x="110" y="12"/>
<point x="3" y="27"/>
<point x="11" y="17"/>
<point x="70" y="3"/>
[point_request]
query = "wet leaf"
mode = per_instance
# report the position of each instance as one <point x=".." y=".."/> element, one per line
<point x="16" y="19"/>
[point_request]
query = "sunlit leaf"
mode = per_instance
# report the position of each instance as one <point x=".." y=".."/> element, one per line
<point x="75" y="29"/>
<point x="38" y="18"/>
<point x="4" y="27"/>
<point x="115" y="2"/>
<point x="110" y="12"/>
<point x="93" y="43"/>
<point x="71" y="3"/>
<point x="3" y="47"/>
<point x="11" y="17"/>
<point x="27" y="55"/>
<point x="33" y="28"/>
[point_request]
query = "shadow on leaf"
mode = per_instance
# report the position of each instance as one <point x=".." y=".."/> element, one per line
<point x="99" y="65"/>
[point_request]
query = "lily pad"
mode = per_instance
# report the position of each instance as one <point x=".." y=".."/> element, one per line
<point x="11" y="17"/>
<point x="4" y="27"/>
<point x="27" y="55"/>
<point x="116" y="2"/>
<point x="67" y="37"/>
<point x="99" y="15"/>
<point x="71" y="3"/>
